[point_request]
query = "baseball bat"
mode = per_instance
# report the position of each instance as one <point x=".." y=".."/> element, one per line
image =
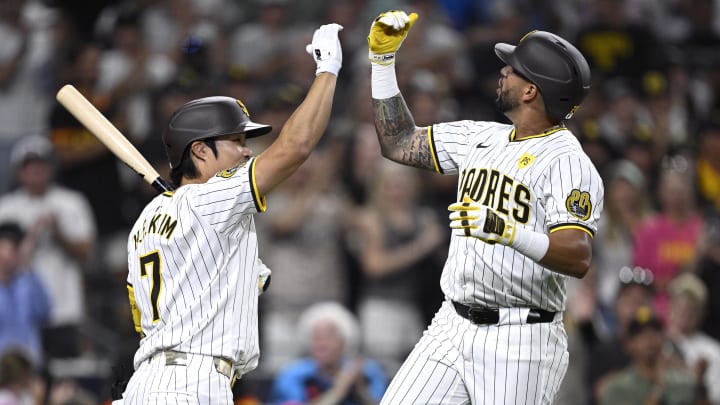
<point x="83" y="110"/>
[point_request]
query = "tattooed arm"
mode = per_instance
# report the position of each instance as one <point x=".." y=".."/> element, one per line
<point x="400" y="139"/>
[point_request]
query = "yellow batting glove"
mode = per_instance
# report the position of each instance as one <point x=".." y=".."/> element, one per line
<point x="387" y="33"/>
<point x="468" y="218"/>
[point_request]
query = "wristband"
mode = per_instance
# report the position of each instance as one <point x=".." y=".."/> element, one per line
<point x="530" y="243"/>
<point x="383" y="81"/>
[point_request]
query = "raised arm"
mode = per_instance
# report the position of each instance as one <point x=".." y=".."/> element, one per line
<point x="306" y="125"/>
<point x="400" y="139"/>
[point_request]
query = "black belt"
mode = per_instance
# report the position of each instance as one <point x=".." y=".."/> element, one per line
<point x="491" y="316"/>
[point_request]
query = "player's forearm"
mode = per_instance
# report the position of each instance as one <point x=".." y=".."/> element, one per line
<point x="306" y="125"/>
<point x="400" y="139"/>
<point x="298" y="136"/>
<point x="569" y="253"/>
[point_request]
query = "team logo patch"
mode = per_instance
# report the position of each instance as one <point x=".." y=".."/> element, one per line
<point x="578" y="204"/>
<point x="525" y="160"/>
<point x="227" y="173"/>
<point x="245" y="110"/>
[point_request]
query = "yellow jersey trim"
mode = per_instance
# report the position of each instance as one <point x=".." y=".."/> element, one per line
<point x="540" y="135"/>
<point x="579" y="227"/>
<point x="259" y="200"/>
<point x="433" y="152"/>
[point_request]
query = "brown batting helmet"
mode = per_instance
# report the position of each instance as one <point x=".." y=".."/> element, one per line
<point x="207" y="117"/>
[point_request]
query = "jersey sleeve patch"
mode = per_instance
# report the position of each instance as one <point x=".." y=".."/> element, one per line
<point x="259" y="200"/>
<point x="579" y="204"/>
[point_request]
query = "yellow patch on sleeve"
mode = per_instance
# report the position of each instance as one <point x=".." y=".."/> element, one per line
<point x="579" y="204"/>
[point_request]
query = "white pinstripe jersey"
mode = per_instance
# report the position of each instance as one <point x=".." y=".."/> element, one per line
<point x="545" y="182"/>
<point x="193" y="276"/>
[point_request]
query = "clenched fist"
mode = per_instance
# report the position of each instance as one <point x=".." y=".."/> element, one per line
<point x="387" y="33"/>
<point x="326" y="50"/>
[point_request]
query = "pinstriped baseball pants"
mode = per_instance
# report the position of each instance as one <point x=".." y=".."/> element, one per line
<point x="196" y="383"/>
<point x="457" y="362"/>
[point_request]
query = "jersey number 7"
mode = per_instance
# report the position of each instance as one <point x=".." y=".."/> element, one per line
<point x="151" y="264"/>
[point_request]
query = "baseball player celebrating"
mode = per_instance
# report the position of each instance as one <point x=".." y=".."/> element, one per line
<point x="193" y="254"/>
<point x="528" y="201"/>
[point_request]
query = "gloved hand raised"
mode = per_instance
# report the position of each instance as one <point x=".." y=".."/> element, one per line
<point x="326" y="50"/>
<point x="387" y="33"/>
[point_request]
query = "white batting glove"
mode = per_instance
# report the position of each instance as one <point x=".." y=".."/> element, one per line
<point x="387" y="33"/>
<point x="326" y="50"/>
<point x="263" y="277"/>
<point x="469" y="218"/>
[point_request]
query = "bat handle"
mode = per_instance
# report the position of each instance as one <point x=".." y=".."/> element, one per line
<point x="161" y="185"/>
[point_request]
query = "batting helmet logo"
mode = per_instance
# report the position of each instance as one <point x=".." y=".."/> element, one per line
<point x="244" y="109"/>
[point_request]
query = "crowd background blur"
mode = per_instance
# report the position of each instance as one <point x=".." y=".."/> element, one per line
<point x="356" y="232"/>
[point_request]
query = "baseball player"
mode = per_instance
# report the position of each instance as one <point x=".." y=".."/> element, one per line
<point x="528" y="201"/>
<point x="193" y="253"/>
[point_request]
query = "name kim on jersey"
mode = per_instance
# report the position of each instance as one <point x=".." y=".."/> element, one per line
<point x="160" y="224"/>
<point x="493" y="189"/>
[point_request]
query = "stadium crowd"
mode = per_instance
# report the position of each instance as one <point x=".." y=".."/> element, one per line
<point x="349" y="227"/>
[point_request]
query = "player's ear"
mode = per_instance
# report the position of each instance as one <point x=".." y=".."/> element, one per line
<point x="530" y="92"/>
<point x="199" y="149"/>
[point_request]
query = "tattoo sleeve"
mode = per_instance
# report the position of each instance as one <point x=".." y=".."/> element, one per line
<point x="399" y="138"/>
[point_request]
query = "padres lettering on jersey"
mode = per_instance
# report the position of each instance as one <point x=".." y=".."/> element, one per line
<point x="192" y="278"/>
<point x="545" y="182"/>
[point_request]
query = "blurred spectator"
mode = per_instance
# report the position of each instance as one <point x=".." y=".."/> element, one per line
<point x="25" y="96"/>
<point x="18" y="383"/>
<point x="61" y="221"/>
<point x="626" y="206"/>
<point x="667" y="242"/>
<point x="399" y="238"/>
<point x="663" y="94"/>
<point x="84" y="164"/>
<point x="434" y="48"/>
<point x="166" y="23"/>
<point x="272" y="29"/>
<point x="654" y="377"/>
<point x="708" y="167"/>
<point x="700" y="44"/>
<point x="334" y="371"/>
<point x="70" y="392"/>
<point x="24" y="303"/>
<point x="626" y="118"/>
<point x="616" y="46"/>
<point x="700" y="352"/>
<point x="608" y="339"/>
<point x="304" y="232"/>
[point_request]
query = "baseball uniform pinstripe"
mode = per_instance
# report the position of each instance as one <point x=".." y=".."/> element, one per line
<point x="193" y="279"/>
<point x="544" y="182"/>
